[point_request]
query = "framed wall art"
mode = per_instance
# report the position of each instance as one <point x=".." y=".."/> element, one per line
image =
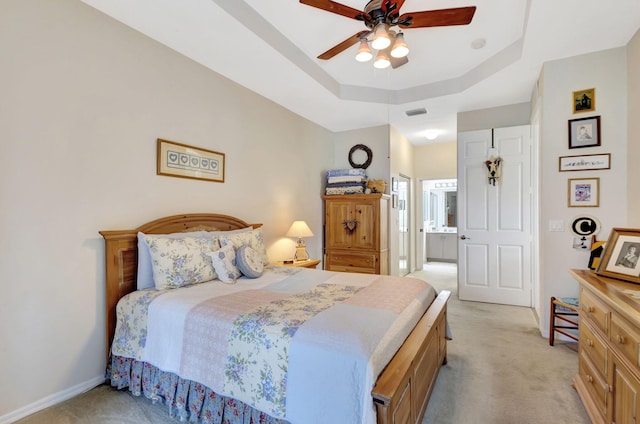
<point x="620" y="256"/>
<point x="584" y="192"/>
<point x="584" y="132"/>
<point x="584" y="100"/>
<point x="584" y="162"/>
<point x="184" y="161"/>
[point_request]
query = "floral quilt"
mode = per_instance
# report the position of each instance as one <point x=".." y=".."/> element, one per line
<point x="277" y="342"/>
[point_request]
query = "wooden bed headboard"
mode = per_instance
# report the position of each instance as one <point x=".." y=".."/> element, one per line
<point x="121" y="253"/>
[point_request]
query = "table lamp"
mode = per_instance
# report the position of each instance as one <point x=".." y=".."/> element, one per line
<point x="300" y="229"/>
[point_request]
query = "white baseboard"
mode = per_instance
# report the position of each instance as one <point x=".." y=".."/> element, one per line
<point x="51" y="400"/>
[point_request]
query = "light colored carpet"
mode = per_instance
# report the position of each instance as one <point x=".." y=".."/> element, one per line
<point x="499" y="370"/>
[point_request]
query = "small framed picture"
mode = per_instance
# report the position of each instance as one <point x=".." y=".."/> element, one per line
<point x="584" y="192"/>
<point x="620" y="256"/>
<point x="584" y="162"/>
<point x="584" y="132"/>
<point x="584" y="100"/>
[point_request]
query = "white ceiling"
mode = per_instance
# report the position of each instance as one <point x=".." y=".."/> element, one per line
<point x="270" y="47"/>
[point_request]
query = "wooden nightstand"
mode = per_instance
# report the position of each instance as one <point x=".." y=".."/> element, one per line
<point x="310" y="263"/>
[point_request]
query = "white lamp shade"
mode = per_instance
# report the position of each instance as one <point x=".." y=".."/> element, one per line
<point x="299" y="229"/>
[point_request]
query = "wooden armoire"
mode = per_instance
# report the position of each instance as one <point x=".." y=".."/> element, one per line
<point x="356" y="233"/>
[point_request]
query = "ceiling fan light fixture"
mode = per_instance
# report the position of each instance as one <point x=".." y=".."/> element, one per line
<point x="382" y="60"/>
<point x="400" y="48"/>
<point x="364" y="52"/>
<point x="381" y="38"/>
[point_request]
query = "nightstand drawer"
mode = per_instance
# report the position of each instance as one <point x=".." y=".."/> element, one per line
<point x="595" y="310"/>
<point x="351" y="262"/>
<point x="626" y="338"/>
<point x="594" y="347"/>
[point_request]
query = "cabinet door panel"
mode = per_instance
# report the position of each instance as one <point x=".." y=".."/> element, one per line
<point x="337" y="236"/>
<point x="625" y="400"/>
<point x="364" y="237"/>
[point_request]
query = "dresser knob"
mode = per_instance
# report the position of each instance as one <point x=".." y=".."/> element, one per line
<point x="591" y="309"/>
<point x="620" y="339"/>
<point x="590" y="379"/>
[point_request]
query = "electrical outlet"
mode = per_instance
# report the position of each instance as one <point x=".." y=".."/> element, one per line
<point x="556" y="225"/>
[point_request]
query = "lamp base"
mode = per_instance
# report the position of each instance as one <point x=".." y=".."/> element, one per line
<point x="301" y="253"/>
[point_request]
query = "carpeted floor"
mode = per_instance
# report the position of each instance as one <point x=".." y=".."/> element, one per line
<point x="499" y="371"/>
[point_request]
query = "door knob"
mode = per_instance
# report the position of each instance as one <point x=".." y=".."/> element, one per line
<point x="463" y="237"/>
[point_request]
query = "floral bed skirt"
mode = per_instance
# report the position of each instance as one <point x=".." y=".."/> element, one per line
<point x="187" y="400"/>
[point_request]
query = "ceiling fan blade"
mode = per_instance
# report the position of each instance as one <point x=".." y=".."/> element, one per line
<point x="396" y="62"/>
<point x="333" y="7"/>
<point x="339" y="48"/>
<point x="435" y="18"/>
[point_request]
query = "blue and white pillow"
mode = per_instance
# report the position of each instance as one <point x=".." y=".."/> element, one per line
<point x="249" y="262"/>
<point x="253" y="239"/>
<point x="224" y="262"/>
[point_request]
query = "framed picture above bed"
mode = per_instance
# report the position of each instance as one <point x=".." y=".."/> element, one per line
<point x="184" y="161"/>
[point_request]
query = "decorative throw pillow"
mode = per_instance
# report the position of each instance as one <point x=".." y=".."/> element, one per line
<point x="145" y="269"/>
<point x="253" y="239"/>
<point x="249" y="262"/>
<point x="224" y="262"/>
<point x="180" y="262"/>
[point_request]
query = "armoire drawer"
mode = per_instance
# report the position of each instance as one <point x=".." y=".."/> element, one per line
<point x="594" y="347"/>
<point x="626" y="338"/>
<point x="593" y="308"/>
<point x="351" y="262"/>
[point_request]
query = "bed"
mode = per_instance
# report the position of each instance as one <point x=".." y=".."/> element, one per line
<point x="401" y="384"/>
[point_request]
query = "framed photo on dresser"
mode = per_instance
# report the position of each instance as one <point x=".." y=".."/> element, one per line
<point x="620" y="256"/>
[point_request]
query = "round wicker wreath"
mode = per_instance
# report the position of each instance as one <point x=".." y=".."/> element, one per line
<point x="367" y="162"/>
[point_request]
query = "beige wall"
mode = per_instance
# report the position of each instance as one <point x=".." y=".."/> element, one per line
<point x="84" y="99"/>
<point x="633" y="141"/>
<point x="436" y="161"/>
<point x="607" y="72"/>
<point x="496" y="117"/>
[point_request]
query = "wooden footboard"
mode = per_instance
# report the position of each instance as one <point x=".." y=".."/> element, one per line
<point x="402" y="391"/>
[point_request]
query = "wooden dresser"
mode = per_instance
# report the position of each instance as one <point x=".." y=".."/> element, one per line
<point x="356" y="234"/>
<point x="608" y="379"/>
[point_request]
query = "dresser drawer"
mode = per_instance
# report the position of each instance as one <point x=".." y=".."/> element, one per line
<point x="595" y="310"/>
<point x="595" y="383"/>
<point x="594" y="347"/>
<point x="351" y="262"/>
<point x="626" y="338"/>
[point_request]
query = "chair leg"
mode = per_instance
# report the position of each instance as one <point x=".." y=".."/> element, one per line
<point x="552" y="318"/>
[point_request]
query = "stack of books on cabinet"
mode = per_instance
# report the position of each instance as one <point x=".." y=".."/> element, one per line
<point x="346" y="181"/>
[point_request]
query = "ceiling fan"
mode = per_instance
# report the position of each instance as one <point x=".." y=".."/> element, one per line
<point x="379" y="16"/>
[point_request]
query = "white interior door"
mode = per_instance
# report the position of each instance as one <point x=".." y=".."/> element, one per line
<point x="494" y="222"/>
<point x="404" y="266"/>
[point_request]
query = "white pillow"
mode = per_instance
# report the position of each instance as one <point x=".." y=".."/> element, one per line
<point x="249" y="262"/>
<point x="224" y="262"/>
<point x="145" y="269"/>
<point x="181" y="262"/>
<point x="253" y="239"/>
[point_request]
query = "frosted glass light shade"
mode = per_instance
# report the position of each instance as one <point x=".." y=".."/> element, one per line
<point x="382" y="60"/>
<point x="381" y="38"/>
<point x="400" y="48"/>
<point x="364" y="52"/>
